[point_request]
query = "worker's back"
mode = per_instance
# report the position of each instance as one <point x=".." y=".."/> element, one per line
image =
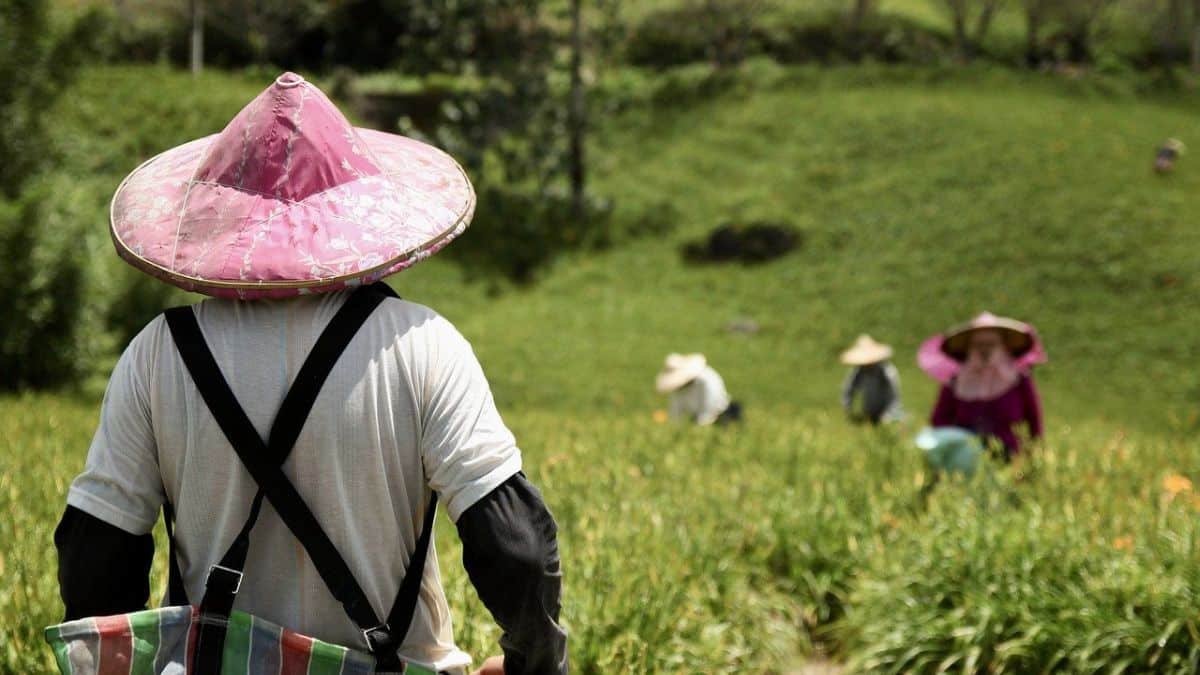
<point x="406" y="407"/>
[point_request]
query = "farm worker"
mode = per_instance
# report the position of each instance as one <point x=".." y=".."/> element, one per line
<point x="985" y="366"/>
<point x="288" y="218"/>
<point x="697" y="391"/>
<point x="1168" y="153"/>
<point x="872" y="380"/>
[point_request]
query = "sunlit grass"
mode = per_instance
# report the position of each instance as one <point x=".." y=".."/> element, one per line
<point x="689" y="550"/>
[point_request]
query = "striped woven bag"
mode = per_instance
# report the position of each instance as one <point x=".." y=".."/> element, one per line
<point x="162" y="642"/>
<point x="213" y="639"/>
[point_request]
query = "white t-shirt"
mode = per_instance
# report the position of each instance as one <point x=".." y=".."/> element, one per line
<point x="702" y="400"/>
<point x="406" y="409"/>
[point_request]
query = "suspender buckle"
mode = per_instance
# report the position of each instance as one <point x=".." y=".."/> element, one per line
<point x="226" y="579"/>
<point x="379" y="638"/>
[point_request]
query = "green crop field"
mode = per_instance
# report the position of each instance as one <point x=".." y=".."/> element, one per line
<point x="923" y="197"/>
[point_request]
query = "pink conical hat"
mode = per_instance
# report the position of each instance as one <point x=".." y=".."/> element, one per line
<point x="941" y="355"/>
<point x="289" y="199"/>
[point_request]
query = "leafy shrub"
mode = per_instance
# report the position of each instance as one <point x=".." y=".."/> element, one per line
<point x="51" y="327"/>
<point x="719" y="31"/>
<point x="727" y="33"/>
<point x="518" y="232"/>
<point x="827" y="38"/>
<point x="48" y="327"/>
<point x="415" y="36"/>
<point x="35" y="64"/>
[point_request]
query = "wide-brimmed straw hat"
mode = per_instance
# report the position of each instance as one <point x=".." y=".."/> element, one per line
<point x="866" y="351"/>
<point x="678" y="370"/>
<point x="1017" y="335"/>
<point x="289" y="199"/>
<point x="942" y="363"/>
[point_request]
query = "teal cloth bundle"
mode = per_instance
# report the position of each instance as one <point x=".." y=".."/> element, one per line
<point x="951" y="449"/>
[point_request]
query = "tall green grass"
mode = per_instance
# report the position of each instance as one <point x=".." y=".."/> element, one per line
<point x="700" y="550"/>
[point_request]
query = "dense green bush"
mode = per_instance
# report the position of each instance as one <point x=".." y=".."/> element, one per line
<point x="49" y="331"/>
<point x="719" y="31"/>
<point x="51" y="327"/>
<point x="726" y="33"/>
<point x="36" y="61"/>
<point x="828" y="38"/>
<point x="518" y="232"/>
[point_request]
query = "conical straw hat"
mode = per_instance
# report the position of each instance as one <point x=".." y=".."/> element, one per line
<point x="678" y="370"/>
<point x="1018" y="335"/>
<point x="289" y="199"/>
<point x="866" y="351"/>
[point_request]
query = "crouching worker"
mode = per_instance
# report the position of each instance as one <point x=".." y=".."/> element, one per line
<point x="873" y="381"/>
<point x="697" y="391"/>
<point x="985" y="367"/>
<point x="299" y="428"/>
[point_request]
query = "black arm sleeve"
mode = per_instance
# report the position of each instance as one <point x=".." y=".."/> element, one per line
<point x="510" y="552"/>
<point x="102" y="569"/>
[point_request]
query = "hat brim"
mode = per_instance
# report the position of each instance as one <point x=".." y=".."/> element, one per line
<point x="1018" y="338"/>
<point x="859" y="356"/>
<point x="257" y="245"/>
<point x="676" y="378"/>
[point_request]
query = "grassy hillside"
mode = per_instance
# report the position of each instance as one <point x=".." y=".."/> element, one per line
<point x="922" y="203"/>
<point x="924" y="197"/>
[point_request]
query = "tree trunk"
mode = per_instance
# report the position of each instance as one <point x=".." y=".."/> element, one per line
<point x="197" y="36"/>
<point x="958" y="15"/>
<point x="984" y="21"/>
<point x="1033" y="29"/>
<point x="859" y="14"/>
<point x="576" y="118"/>
<point x="1173" y="31"/>
<point x="1196" y="36"/>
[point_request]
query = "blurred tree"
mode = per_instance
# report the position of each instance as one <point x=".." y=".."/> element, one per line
<point x="1078" y="20"/>
<point x="1195" y="47"/>
<point x="424" y="36"/>
<point x="731" y="23"/>
<point x="859" y="13"/>
<point x="576" y="118"/>
<point x="279" y="32"/>
<point x="968" y="40"/>
<point x="720" y="31"/>
<point x="1036" y="14"/>
<point x="43" y="317"/>
<point x="1169" y="24"/>
<point x="35" y="65"/>
<point x="197" y="40"/>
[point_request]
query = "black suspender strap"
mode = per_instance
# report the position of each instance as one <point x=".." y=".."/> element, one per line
<point x="176" y="593"/>
<point x="264" y="460"/>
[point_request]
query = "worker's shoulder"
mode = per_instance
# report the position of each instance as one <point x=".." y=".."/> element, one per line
<point x="412" y="316"/>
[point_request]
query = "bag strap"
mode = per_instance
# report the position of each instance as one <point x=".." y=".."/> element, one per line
<point x="263" y="461"/>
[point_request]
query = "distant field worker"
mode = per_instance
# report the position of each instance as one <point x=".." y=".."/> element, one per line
<point x="985" y="367"/>
<point x="697" y="391"/>
<point x="1168" y="154"/>
<point x="872" y="382"/>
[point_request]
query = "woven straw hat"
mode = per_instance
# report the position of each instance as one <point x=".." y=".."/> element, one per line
<point x="866" y="351"/>
<point x="678" y="370"/>
<point x="1018" y="335"/>
<point x="289" y="199"/>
